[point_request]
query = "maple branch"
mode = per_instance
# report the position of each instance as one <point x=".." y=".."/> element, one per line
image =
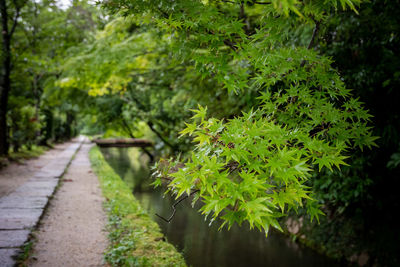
<point x="254" y="2"/>
<point x="174" y="206"/>
<point x="311" y="43"/>
<point x="231" y="45"/>
<point x="315" y="32"/>
<point x="261" y="3"/>
<point x="151" y="126"/>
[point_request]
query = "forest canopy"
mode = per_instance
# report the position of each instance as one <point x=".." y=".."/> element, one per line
<point x="250" y="163"/>
<point x="261" y="110"/>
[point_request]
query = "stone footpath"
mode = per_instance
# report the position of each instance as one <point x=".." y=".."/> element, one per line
<point x="21" y="210"/>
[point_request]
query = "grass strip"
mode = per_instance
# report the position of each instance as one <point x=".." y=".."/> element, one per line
<point x="135" y="239"/>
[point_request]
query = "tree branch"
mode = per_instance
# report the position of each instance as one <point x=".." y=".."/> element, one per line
<point x="231" y="45"/>
<point x="164" y="14"/>
<point x="129" y="130"/>
<point x="174" y="207"/>
<point x="315" y="33"/>
<point x="15" y="20"/>
<point x="243" y="16"/>
<point x="311" y="43"/>
<point x="151" y="126"/>
<point x="241" y="3"/>
<point x="261" y="3"/>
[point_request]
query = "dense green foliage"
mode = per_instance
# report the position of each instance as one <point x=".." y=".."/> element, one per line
<point x="265" y="102"/>
<point x="135" y="240"/>
<point x="130" y="63"/>
<point x="37" y="111"/>
<point x="360" y="200"/>
<point x="253" y="167"/>
<point x="132" y="73"/>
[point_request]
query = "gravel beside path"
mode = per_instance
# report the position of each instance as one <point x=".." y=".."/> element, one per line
<point x="71" y="233"/>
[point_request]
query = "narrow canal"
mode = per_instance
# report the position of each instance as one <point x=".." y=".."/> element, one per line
<point x="201" y="243"/>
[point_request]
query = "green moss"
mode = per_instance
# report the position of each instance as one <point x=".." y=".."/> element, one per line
<point x="135" y="240"/>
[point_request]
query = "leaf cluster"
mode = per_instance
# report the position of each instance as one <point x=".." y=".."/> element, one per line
<point x="253" y="166"/>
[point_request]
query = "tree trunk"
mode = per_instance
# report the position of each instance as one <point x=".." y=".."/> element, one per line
<point x="37" y="93"/>
<point x="69" y="133"/>
<point x="5" y="83"/>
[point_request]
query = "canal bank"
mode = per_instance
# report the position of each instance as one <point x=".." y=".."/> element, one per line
<point x="135" y="239"/>
<point x="200" y="242"/>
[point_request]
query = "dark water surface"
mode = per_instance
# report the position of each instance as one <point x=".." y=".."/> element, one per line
<point x="202" y="244"/>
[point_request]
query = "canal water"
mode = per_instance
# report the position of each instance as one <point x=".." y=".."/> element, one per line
<point x="202" y="244"/>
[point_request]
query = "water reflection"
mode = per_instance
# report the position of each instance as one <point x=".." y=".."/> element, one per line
<point x="201" y="244"/>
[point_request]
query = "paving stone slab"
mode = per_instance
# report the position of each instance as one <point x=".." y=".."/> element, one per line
<point x="48" y="174"/>
<point x="39" y="192"/>
<point x="19" y="218"/>
<point x="60" y="164"/>
<point x="23" y="202"/>
<point x="13" y="238"/>
<point x="6" y="256"/>
<point x="22" y="209"/>
<point x="68" y="152"/>
<point x="52" y="170"/>
<point x="42" y="179"/>
<point x="43" y="188"/>
<point x="35" y="191"/>
<point x="34" y="183"/>
<point x="57" y="173"/>
<point x="56" y="164"/>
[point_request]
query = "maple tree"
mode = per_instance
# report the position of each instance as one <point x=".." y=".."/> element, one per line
<point x="253" y="167"/>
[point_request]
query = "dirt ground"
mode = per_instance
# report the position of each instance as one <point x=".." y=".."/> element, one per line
<point x="15" y="174"/>
<point x="71" y="233"/>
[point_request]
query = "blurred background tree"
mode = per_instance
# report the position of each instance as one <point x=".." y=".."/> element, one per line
<point x="42" y="35"/>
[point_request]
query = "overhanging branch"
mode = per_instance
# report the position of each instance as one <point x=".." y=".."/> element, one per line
<point x="174" y="207"/>
<point x="311" y="43"/>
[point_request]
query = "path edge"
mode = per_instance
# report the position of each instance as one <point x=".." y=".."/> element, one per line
<point x="23" y="253"/>
<point x="129" y="225"/>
